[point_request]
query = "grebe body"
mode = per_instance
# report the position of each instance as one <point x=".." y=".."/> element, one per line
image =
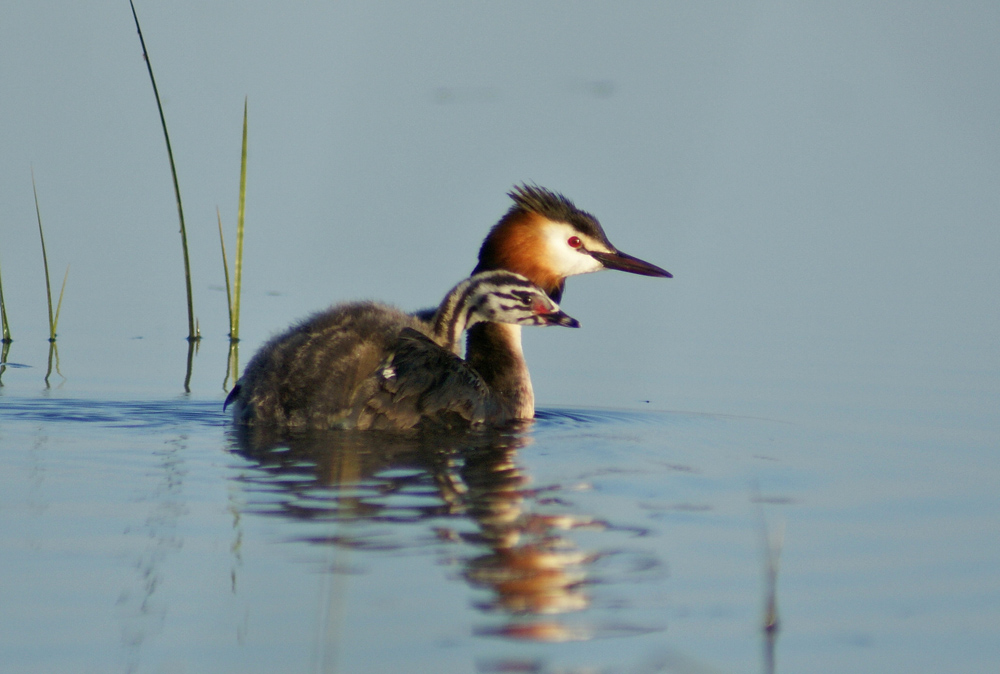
<point x="368" y="365"/>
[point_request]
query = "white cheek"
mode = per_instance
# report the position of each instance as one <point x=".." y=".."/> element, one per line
<point x="567" y="260"/>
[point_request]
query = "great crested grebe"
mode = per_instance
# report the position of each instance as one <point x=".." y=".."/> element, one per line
<point x="368" y="365"/>
<point x="545" y="238"/>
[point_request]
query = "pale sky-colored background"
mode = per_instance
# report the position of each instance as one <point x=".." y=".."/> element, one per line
<point x="823" y="179"/>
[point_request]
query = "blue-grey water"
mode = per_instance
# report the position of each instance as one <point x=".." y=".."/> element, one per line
<point x="821" y="178"/>
<point x="142" y="533"/>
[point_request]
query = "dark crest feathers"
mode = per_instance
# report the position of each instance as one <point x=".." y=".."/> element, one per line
<point x="553" y="206"/>
<point x="534" y="199"/>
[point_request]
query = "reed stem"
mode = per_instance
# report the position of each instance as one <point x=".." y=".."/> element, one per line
<point x="225" y="270"/>
<point x="234" y="333"/>
<point x="6" y="339"/>
<point x="55" y="321"/>
<point x="45" y="260"/>
<point x="193" y="334"/>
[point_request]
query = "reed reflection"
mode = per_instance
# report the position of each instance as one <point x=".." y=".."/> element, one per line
<point x="232" y="364"/>
<point x="53" y="357"/>
<point x="4" y="350"/>
<point x="524" y="560"/>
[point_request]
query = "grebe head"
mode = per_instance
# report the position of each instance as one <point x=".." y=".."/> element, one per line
<point x="505" y="297"/>
<point x="497" y="296"/>
<point x="546" y="238"/>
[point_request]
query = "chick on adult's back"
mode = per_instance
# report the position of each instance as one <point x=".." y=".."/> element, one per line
<point x="367" y="364"/>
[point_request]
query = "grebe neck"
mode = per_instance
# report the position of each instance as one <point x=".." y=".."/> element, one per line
<point x="452" y="317"/>
<point x="494" y="351"/>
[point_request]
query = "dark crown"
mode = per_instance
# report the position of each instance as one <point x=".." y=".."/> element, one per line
<point x="554" y="206"/>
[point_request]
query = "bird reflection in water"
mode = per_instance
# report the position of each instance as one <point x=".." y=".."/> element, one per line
<point x="525" y="560"/>
<point x="530" y="567"/>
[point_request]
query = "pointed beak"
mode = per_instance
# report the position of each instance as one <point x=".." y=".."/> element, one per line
<point x="560" y="318"/>
<point x="633" y="265"/>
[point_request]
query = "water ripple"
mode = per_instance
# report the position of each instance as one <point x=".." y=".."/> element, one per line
<point x="148" y="414"/>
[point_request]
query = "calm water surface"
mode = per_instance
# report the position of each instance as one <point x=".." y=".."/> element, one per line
<point x="822" y="180"/>
<point x="145" y="535"/>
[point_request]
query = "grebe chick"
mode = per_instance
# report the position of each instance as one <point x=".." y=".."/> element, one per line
<point x="364" y="364"/>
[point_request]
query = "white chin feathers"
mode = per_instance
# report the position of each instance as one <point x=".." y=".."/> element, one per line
<point x="565" y="259"/>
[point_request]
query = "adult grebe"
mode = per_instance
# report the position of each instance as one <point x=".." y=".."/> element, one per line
<point x="545" y="238"/>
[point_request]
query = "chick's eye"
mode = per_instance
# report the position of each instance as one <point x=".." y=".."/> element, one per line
<point x="524" y="298"/>
<point x="574" y="242"/>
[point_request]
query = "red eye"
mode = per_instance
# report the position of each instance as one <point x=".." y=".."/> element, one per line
<point x="574" y="242"/>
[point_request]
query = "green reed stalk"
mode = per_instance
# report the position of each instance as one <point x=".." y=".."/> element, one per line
<point x="234" y="331"/>
<point x="55" y="321"/>
<point x="3" y="319"/>
<point x="225" y="270"/>
<point x="45" y="260"/>
<point x="193" y="333"/>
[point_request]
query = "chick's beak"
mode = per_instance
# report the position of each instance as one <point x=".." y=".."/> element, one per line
<point x="560" y="318"/>
<point x="633" y="265"/>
